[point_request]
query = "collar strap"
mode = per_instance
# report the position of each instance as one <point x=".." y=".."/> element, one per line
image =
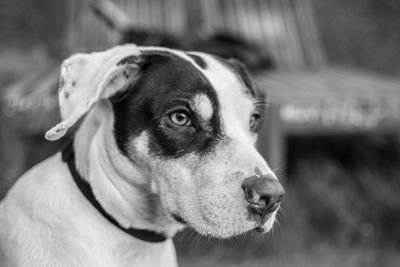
<point x="68" y="156"/>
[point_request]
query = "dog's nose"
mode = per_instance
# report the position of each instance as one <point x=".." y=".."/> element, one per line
<point x="263" y="193"/>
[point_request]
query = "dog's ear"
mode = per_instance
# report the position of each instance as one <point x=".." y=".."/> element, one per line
<point x="87" y="78"/>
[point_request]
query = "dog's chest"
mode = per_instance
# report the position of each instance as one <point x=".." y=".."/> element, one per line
<point x="146" y="255"/>
<point x="54" y="225"/>
<point x="131" y="254"/>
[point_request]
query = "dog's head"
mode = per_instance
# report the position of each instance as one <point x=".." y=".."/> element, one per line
<point x="189" y="122"/>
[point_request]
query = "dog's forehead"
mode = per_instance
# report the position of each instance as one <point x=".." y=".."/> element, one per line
<point x="215" y="69"/>
<point x="231" y="87"/>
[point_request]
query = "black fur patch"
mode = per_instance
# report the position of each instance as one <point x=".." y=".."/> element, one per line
<point x="166" y="83"/>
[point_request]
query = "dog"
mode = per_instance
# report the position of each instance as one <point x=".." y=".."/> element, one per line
<point x="162" y="139"/>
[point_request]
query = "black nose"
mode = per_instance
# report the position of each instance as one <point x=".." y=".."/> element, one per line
<point x="264" y="193"/>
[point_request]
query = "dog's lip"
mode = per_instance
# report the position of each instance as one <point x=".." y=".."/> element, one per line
<point x="260" y="229"/>
<point x="179" y="219"/>
<point x="260" y="226"/>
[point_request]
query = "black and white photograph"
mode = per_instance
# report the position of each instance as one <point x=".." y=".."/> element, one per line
<point x="199" y="133"/>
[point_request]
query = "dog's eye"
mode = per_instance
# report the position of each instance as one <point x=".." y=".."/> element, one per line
<point x="180" y="118"/>
<point x="254" y="119"/>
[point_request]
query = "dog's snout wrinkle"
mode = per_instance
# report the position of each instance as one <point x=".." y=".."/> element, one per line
<point x="263" y="193"/>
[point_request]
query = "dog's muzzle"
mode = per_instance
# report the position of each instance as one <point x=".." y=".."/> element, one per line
<point x="264" y="195"/>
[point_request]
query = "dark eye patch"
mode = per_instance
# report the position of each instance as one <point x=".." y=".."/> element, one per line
<point x="166" y="80"/>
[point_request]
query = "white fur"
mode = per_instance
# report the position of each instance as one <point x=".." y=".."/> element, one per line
<point x="203" y="106"/>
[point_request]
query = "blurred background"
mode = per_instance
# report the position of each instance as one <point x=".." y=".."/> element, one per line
<point x="330" y="69"/>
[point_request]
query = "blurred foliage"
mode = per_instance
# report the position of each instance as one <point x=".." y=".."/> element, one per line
<point x="349" y="186"/>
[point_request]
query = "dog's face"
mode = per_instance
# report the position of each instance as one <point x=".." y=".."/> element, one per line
<point x="189" y="122"/>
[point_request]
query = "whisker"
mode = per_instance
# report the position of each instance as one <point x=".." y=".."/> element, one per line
<point x="278" y="169"/>
<point x="282" y="211"/>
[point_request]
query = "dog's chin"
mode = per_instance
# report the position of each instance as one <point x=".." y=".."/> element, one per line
<point x="224" y="231"/>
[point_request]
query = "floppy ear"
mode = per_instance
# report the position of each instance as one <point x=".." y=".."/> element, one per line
<point x="87" y="78"/>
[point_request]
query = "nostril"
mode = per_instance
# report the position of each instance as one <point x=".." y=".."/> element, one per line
<point x="265" y="201"/>
<point x="251" y="195"/>
<point x="273" y="204"/>
<point x="263" y="194"/>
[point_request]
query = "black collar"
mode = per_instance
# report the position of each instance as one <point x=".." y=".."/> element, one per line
<point x="68" y="156"/>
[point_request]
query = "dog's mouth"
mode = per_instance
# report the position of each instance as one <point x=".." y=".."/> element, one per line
<point x="262" y="226"/>
<point x="261" y="229"/>
<point x="178" y="218"/>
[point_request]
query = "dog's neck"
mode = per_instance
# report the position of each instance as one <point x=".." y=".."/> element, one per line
<point x="123" y="190"/>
